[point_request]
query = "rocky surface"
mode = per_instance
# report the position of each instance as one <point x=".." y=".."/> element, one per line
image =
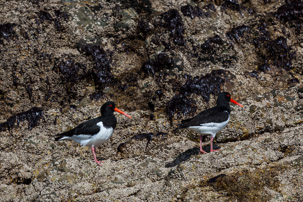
<point x="161" y="62"/>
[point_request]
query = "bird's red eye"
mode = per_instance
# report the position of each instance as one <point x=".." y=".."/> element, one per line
<point x="228" y="95"/>
<point x="110" y="105"/>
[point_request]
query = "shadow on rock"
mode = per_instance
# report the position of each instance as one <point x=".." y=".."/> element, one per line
<point x="187" y="154"/>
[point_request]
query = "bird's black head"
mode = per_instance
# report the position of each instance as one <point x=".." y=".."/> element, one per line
<point x="224" y="98"/>
<point x="108" y="107"/>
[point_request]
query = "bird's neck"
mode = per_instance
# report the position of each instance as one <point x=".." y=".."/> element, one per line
<point x="223" y="103"/>
<point x="107" y="113"/>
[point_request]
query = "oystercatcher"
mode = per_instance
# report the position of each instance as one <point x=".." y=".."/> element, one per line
<point x="212" y="120"/>
<point x="96" y="131"/>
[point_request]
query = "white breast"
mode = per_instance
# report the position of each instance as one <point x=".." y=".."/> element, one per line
<point x="87" y="140"/>
<point x="102" y="136"/>
<point x="210" y="128"/>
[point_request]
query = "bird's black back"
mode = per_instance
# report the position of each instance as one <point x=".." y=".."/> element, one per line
<point x="216" y="115"/>
<point x="90" y="127"/>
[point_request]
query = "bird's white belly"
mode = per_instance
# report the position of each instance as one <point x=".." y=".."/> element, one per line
<point x="209" y="128"/>
<point x="102" y="136"/>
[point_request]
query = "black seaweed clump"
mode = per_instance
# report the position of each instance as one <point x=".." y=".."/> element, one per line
<point x="237" y="32"/>
<point x="191" y="11"/>
<point x="270" y="52"/>
<point x="292" y="13"/>
<point x="180" y="104"/>
<point x="57" y="20"/>
<point x="70" y="70"/>
<point x="143" y="28"/>
<point x="207" y="9"/>
<point x="161" y="62"/>
<point x="159" y="93"/>
<point x="102" y="70"/>
<point x="32" y="116"/>
<point x="141" y="6"/>
<point x="214" y="50"/>
<point x="7" y="31"/>
<point x="173" y="22"/>
<point x="44" y="16"/>
<point x="231" y="4"/>
<point x="204" y="85"/>
<point x="274" y="52"/>
<point x="60" y="16"/>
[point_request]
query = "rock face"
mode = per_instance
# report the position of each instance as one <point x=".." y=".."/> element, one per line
<point x="161" y="62"/>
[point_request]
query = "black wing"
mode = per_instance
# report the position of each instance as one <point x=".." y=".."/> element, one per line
<point x="89" y="127"/>
<point x="215" y="115"/>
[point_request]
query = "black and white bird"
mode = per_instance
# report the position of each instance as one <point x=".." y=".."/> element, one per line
<point x="96" y="131"/>
<point x="212" y="120"/>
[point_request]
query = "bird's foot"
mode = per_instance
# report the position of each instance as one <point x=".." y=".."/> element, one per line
<point x="98" y="162"/>
<point x="213" y="150"/>
<point x="202" y="151"/>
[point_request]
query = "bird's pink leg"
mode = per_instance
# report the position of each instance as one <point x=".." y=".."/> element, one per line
<point x="95" y="158"/>
<point x="201" y="150"/>
<point x="211" y="145"/>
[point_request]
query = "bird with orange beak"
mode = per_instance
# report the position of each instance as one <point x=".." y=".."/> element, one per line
<point x="212" y="120"/>
<point x="96" y="131"/>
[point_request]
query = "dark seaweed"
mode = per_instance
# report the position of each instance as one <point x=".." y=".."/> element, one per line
<point x="253" y="74"/>
<point x="231" y="4"/>
<point x="266" y="1"/>
<point x="209" y="7"/>
<point x="291" y="13"/>
<point x="151" y="106"/>
<point x="270" y="52"/>
<point x="191" y="11"/>
<point x="274" y="52"/>
<point x="60" y="16"/>
<point x="293" y="81"/>
<point x="29" y="91"/>
<point x="159" y="93"/>
<point x="161" y="62"/>
<point x="32" y="116"/>
<point x="237" y="33"/>
<point x="143" y="28"/>
<point x="44" y="16"/>
<point x="70" y="70"/>
<point x="102" y="70"/>
<point x="141" y="6"/>
<point x="173" y="22"/>
<point x="264" y="67"/>
<point x="96" y="95"/>
<point x="7" y="31"/>
<point x="213" y="50"/>
<point x="204" y="85"/>
<point x="180" y="104"/>
<point x="21" y="180"/>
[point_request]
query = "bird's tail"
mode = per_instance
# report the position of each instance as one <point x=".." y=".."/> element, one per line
<point x="62" y="136"/>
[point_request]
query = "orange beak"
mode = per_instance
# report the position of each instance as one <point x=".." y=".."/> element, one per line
<point x="121" y="112"/>
<point x="233" y="101"/>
